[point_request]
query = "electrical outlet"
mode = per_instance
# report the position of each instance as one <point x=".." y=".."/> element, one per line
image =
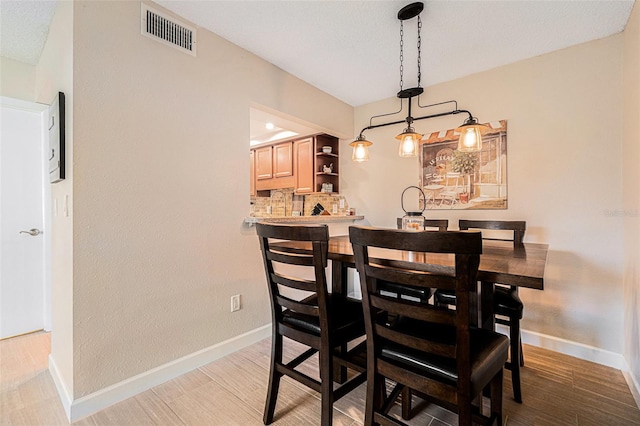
<point x="235" y="303"/>
<point x="268" y="209"/>
<point x="334" y="209"/>
<point x="342" y="203"/>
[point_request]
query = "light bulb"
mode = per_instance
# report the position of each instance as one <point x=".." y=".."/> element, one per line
<point x="469" y="138"/>
<point x="360" y="153"/>
<point x="407" y="144"/>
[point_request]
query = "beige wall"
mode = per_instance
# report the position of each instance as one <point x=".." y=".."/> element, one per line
<point x="17" y="79"/>
<point x="160" y="191"/>
<point x="54" y="73"/>
<point x="631" y="192"/>
<point x="564" y="114"/>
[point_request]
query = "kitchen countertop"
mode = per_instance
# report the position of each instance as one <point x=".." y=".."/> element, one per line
<point x="301" y="219"/>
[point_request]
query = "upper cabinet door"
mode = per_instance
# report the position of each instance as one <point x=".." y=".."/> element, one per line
<point x="283" y="159"/>
<point x="304" y="153"/>
<point x="264" y="163"/>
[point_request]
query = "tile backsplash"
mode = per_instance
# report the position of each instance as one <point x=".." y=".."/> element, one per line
<point x="282" y="198"/>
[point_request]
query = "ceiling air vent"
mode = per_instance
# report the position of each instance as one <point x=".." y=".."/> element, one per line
<point x="161" y="27"/>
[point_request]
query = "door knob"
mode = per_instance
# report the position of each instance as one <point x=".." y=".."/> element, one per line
<point x="33" y="232"/>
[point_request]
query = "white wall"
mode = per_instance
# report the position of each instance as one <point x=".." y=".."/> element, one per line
<point x="564" y="115"/>
<point x="17" y="79"/>
<point x="160" y="192"/>
<point x="631" y="194"/>
<point x="54" y="73"/>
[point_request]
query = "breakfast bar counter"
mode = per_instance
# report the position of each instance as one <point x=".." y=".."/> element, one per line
<point x="302" y="219"/>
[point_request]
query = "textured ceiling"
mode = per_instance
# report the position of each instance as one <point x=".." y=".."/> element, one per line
<point x="350" y="49"/>
<point x="24" y="26"/>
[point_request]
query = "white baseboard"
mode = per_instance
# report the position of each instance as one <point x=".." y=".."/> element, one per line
<point x="92" y="403"/>
<point x="582" y="351"/>
<point x="568" y="347"/>
<point x="633" y="385"/>
<point x="63" y="392"/>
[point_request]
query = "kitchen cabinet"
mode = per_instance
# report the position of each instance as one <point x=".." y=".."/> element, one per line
<point x="300" y="164"/>
<point x="264" y="163"/>
<point x="283" y="160"/>
<point x="327" y="164"/>
<point x="274" y="166"/>
<point x="304" y="172"/>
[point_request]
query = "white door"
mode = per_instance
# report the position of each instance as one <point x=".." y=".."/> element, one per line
<point x="22" y="216"/>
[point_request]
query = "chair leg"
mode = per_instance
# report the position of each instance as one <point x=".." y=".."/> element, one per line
<point x="406" y="403"/>
<point x="464" y="411"/>
<point x="274" y="380"/>
<point x="375" y="396"/>
<point x="516" y="358"/>
<point x="326" y="386"/>
<point x="496" y="396"/>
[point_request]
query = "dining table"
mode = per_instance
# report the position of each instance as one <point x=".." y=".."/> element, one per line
<point x="501" y="262"/>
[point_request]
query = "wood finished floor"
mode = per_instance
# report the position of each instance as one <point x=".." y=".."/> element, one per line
<point x="557" y="390"/>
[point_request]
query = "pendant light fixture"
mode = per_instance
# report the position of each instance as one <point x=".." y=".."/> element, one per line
<point x="470" y="136"/>
<point x="409" y="139"/>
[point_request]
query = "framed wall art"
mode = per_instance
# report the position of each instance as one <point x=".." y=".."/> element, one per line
<point x="452" y="179"/>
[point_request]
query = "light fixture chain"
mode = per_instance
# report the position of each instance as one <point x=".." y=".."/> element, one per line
<point x="401" y="53"/>
<point x="419" y="46"/>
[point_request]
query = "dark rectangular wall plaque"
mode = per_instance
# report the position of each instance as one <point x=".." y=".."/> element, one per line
<point x="56" y="139"/>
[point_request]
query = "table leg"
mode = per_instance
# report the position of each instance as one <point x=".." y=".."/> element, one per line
<point x="339" y="277"/>
<point x="487" y="319"/>
<point x="339" y="286"/>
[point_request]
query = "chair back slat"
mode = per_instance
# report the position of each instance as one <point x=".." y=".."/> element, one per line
<point x="439" y="349"/>
<point x="410" y="277"/>
<point x="518" y="227"/>
<point x="293" y="233"/>
<point x="298" y="284"/>
<point x="422" y="242"/>
<point x="290" y="258"/>
<point x="298" y="306"/>
<point x="411" y="309"/>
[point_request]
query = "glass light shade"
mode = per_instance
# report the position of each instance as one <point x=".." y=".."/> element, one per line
<point x="408" y="142"/>
<point x="360" y="149"/>
<point x="470" y="136"/>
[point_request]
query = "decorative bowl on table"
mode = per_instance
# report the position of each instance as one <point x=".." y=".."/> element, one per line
<point x="327" y="149"/>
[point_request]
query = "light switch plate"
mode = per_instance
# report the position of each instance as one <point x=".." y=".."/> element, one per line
<point x="235" y="303"/>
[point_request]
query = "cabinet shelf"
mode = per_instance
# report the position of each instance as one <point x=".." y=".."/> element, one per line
<point x="325" y="154"/>
<point x="326" y="174"/>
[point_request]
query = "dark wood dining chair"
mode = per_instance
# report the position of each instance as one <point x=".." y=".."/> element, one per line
<point x="434" y="351"/>
<point x="324" y="322"/>
<point x="507" y="306"/>
<point x="423" y="294"/>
